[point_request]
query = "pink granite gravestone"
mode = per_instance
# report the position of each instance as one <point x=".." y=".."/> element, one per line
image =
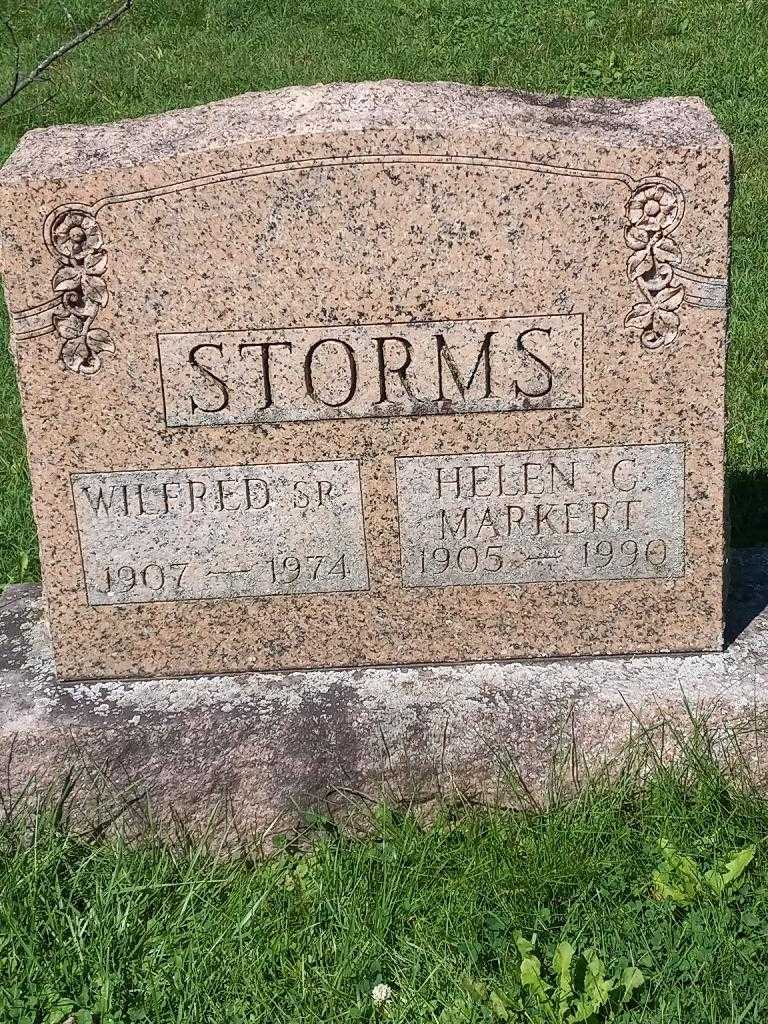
<point x="373" y="374"/>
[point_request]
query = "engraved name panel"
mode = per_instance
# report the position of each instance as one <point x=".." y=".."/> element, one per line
<point x="613" y="513"/>
<point x="221" y="532"/>
<point x="370" y="370"/>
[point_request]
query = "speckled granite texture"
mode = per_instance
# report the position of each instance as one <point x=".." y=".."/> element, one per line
<point x="265" y="747"/>
<point x="158" y="270"/>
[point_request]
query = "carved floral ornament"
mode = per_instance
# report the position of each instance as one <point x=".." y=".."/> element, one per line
<point x="654" y="210"/>
<point x="74" y="238"/>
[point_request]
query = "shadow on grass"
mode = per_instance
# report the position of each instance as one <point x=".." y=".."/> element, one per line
<point x="748" y="574"/>
<point x="748" y="507"/>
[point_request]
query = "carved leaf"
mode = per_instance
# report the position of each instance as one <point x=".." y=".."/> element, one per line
<point x="79" y="285"/>
<point x="77" y="356"/>
<point x="66" y="279"/>
<point x="650" y="339"/>
<point x="639" y="263"/>
<point x="665" y="320"/>
<point x="652" y="263"/>
<point x="74" y="353"/>
<point x="69" y="327"/>
<point x="666" y="250"/>
<point x="639" y="317"/>
<point x="90" y="365"/>
<point x="82" y="307"/>
<point x="100" y="341"/>
<point x="94" y="289"/>
<point x="95" y="262"/>
<point x="637" y="238"/>
<point x="670" y="298"/>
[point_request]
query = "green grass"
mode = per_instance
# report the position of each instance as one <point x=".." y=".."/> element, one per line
<point x="159" y="934"/>
<point x="169" y="54"/>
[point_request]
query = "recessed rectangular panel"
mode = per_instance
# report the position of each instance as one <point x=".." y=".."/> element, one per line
<point x="221" y="532"/>
<point x="371" y="370"/>
<point x="612" y="513"/>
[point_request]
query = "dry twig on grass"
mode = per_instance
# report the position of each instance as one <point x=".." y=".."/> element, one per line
<point x="22" y="80"/>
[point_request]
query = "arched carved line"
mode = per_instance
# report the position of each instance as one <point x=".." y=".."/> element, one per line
<point x="73" y="236"/>
<point x="354" y="161"/>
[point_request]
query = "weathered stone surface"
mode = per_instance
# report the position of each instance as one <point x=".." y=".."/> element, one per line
<point x="624" y="492"/>
<point x="298" y="507"/>
<point x="379" y="276"/>
<point x="270" y="745"/>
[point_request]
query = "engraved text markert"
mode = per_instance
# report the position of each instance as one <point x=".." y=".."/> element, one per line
<point x="221" y="532"/>
<point x="371" y="370"/>
<point x="538" y="516"/>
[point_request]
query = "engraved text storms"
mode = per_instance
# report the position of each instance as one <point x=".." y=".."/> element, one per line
<point x="405" y="369"/>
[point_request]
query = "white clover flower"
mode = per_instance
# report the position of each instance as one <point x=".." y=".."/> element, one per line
<point x="381" y="994"/>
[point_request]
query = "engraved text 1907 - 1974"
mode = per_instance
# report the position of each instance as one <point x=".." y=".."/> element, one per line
<point x="226" y="532"/>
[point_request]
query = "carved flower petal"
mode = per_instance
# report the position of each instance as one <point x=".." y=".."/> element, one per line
<point x="67" y="221"/>
<point x="65" y="247"/>
<point x="635" y="209"/>
<point x="93" y="235"/>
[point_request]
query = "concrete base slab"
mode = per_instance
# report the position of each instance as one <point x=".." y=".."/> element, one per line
<point x="269" y="745"/>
